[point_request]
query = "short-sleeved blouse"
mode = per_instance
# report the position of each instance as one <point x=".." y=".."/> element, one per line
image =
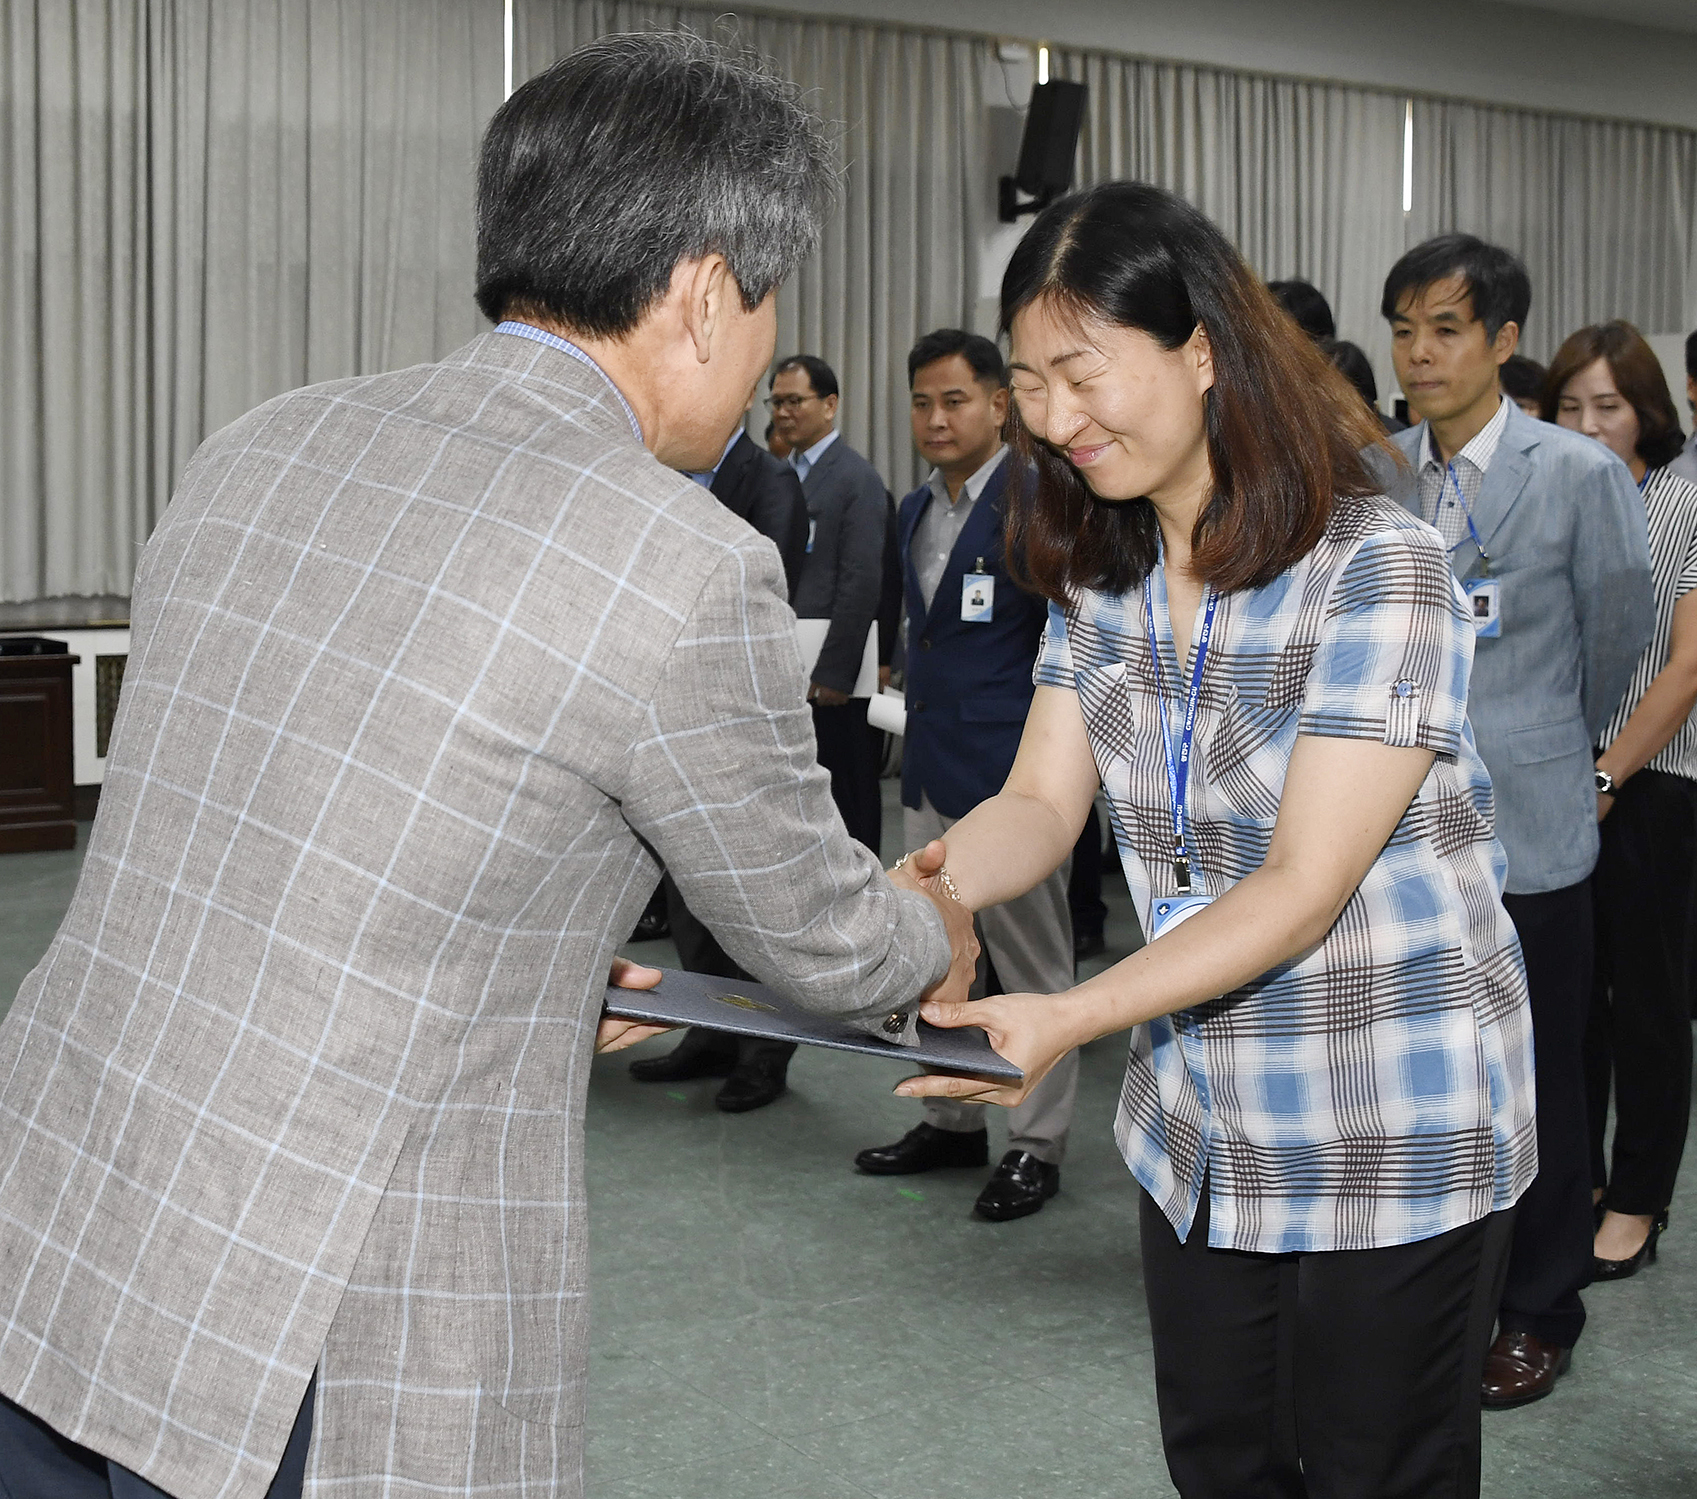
<point x="1378" y="1089"/>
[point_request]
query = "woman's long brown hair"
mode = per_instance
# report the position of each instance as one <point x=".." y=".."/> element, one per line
<point x="1287" y="434"/>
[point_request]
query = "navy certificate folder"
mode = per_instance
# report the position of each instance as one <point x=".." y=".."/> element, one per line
<point x="744" y="1008"/>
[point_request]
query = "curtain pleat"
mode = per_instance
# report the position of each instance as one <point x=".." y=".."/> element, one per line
<point x="1601" y="211"/>
<point x="206" y="204"/>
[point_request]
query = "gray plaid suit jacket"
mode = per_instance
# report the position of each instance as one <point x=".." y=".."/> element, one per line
<point x="427" y="667"/>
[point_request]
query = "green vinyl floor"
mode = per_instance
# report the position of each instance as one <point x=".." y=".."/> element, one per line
<point x="771" y="1325"/>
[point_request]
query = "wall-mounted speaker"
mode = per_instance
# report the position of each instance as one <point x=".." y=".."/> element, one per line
<point x="1046" y="149"/>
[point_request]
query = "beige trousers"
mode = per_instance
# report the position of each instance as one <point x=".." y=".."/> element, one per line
<point x="1029" y="942"/>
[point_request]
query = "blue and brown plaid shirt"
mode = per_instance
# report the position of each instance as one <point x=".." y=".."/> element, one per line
<point x="1378" y="1089"/>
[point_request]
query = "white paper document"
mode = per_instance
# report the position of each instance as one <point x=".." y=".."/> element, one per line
<point x="888" y="711"/>
<point x="810" y="636"/>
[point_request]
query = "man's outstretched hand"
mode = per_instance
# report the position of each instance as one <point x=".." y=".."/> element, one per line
<point x="615" y="1034"/>
<point x="923" y="872"/>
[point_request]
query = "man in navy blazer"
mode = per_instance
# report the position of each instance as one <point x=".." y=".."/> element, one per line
<point x="972" y="638"/>
<point x="1549" y="542"/>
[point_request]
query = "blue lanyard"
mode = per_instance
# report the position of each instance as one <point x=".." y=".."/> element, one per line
<point x="1467" y="512"/>
<point x="1178" y="762"/>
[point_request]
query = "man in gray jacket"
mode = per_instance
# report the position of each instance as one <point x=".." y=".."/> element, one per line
<point x="1549" y="541"/>
<point x="842" y="578"/>
<point x="428" y="669"/>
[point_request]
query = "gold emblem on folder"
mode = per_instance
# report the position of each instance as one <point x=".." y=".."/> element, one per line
<point x="742" y="1002"/>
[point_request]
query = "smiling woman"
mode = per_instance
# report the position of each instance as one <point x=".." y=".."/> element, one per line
<point x="1264" y="662"/>
<point x="1180" y="297"/>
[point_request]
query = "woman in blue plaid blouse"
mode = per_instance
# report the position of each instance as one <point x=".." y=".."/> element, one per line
<point x="1264" y="662"/>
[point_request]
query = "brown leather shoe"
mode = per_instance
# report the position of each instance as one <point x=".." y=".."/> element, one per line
<point x="1520" y="1369"/>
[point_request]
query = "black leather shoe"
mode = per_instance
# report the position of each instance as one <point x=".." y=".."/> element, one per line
<point x="925" y="1148"/>
<point x="1020" y="1187"/>
<point x="1627" y="1268"/>
<point x="1087" y="944"/>
<point x="753" y="1085"/>
<point x="689" y="1058"/>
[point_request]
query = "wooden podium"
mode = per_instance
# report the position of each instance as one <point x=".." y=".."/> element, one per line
<point x="37" y="800"/>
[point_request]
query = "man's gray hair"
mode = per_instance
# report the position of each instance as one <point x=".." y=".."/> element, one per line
<point x="631" y="154"/>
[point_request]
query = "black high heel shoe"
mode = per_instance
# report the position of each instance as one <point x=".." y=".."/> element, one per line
<point x="1626" y="1269"/>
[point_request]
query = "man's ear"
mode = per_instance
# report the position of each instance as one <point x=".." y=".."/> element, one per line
<point x="707" y="284"/>
<point x="999" y="405"/>
<point x="1506" y="342"/>
<point x="830" y="405"/>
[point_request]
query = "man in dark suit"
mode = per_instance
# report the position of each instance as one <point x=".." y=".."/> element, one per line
<point x="764" y="491"/>
<point x="972" y="637"/>
<point x="841" y="578"/>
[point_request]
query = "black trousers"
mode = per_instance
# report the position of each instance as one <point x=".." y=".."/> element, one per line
<point x="1639" y="1035"/>
<point x="699" y="952"/>
<point x="849" y="749"/>
<point x="1551" y="1260"/>
<point x="1346" y="1375"/>
<point x="37" y="1463"/>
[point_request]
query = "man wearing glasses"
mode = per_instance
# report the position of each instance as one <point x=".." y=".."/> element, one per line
<point x="841" y="578"/>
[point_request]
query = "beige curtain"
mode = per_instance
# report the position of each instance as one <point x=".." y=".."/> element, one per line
<point x="1602" y="212"/>
<point x="204" y="203"/>
<point x="900" y="256"/>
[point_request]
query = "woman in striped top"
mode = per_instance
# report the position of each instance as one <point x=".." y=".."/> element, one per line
<point x="1607" y="383"/>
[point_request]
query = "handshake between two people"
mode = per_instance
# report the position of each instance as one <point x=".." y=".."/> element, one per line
<point x="1021" y="1028"/>
<point x="1025" y="1029"/>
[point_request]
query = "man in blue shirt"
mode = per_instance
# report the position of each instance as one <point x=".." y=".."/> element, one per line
<point x="972" y="639"/>
<point x="1548" y="539"/>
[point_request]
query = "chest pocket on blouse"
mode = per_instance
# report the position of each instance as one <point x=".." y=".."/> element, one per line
<point x="1110" y="716"/>
<point x="1245" y="759"/>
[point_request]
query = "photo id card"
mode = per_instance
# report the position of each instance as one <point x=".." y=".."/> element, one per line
<point x="1484" y="599"/>
<point x="977" y="598"/>
<point x="1168" y="911"/>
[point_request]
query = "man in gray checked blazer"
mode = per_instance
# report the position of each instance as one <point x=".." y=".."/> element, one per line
<point x="429" y="668"/>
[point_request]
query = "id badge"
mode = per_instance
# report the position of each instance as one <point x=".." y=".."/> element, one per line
<point x="1169" y="911"/>
<point x="1484" y="599"/>
<point x="977" y="598"/>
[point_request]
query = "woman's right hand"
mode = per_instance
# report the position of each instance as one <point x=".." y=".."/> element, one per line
<point x="1033" y="1031"/>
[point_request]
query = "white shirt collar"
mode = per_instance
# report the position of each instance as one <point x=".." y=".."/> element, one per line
<point x="973" y="486"/>
<point x="1480" y="450"/>
<point x="811" y="456"/>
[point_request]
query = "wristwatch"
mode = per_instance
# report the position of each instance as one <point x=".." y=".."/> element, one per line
<point x="1605" y="783"/>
